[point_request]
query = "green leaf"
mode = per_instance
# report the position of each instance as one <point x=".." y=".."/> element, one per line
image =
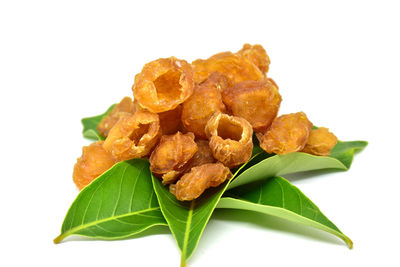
<point x="90" y="125"/>
<point x="266" y="165"/>
<point x="188" y="219"/>
<point x="118" y="204"/>
<point x="277" y="197"/>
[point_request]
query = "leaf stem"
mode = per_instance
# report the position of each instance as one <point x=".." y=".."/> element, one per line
<point x="58" y="239"/>
<point x="183" y="261"/>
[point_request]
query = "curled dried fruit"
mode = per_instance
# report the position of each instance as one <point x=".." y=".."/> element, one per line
<point x="171" y="154"/>
<point x="170" y="121"/>
<point x="202" y="156"/>
<point x="163" y="84"/>
<point x="123" y="108"/>
<point x="257" y="55"/>
<point x="256" y="101"/>
<point x="93" y="162"/>
<point x="320" y="142"/>
<point x="241" y="66"/>
<point x="204" y="102"/>
<point x="230" y="139"/>
<point x="288" y="133"/>
<point x="192" y="184"/>
<point x="133" y="136"/>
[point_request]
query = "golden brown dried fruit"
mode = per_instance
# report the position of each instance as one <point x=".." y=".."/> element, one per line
<point x="163" y="84"/>
<point x="193" y="183"/>
<point x="133" y="136"/>
<point x="93" y="162"/>
<point x="204" y="102"/>
<point x="257" y="55"/>
<point x="288" y="133"/>
<point x="236" y="67"/>
<point x="170" y="121"/>
<point x="202" y="156"/>
<point x="123" y="108"/>
<point x="230" y="139"/>
<point x="171" y="154"/>
<point x="320" y="142"/>
<point x="256" y="101"/>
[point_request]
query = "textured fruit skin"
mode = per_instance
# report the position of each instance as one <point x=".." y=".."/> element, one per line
<point x="171" y="154"/>
<point x="320" y="142"/>
<point x="123" y="108"/>
<point x="163" y="84"/>
<point x="288" y="133"/>
<point x="256" y="101"/>
<point x="230" y="139"/>
<point x="237" y="67"/>
<point x="192" y="184"/>
<point x="133" y="136"/>
<point x="93" y="162"/>
<point x="170" y="121"/>
<point x="204" y="102"/>
<point x="202" y="156"/>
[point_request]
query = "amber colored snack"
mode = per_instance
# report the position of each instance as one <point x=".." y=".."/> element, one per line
<point x="163" y="84"/>
<point x="230" y="139"/>
<point x="288" y="133"/>
<point x="320" y="142"/>
<point x="192" y="184"/>
<point x="170" y="121"/>
<point x="133" y="136"/>
<point x="123" y="108"/>
<point x="93" y="162"/>
<point x="257" y="55"/>
<point x="256" y="101"/>
<point x="204" y="102"/>
<point x="202" y="156"/>
<point x="238" y="67"/>
<point x="171" y="154"/>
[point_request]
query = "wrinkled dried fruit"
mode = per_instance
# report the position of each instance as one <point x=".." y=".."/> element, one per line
<point x="204" y="102"/>
<point x="257" y="55"/>
<point x="236" y="67"/>
<point x="93" y="162"/>
<point x="193" y="183"/>
<point x="171" y="154"/>
<point x="288" y="133"/>
<point x="133" y="136"/>
<point x="320" y="142"/>
<point x="170" y="121"/>
<point x="202" y="156"/>
<point x="163" y="84"/>
<point x="123" y="108"/>
<point x="256" y="101"/>
<point x="230" y="139"/>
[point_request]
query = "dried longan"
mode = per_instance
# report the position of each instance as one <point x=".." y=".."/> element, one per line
<point x="288" y="133"/>
<point x="204" y="102"/>
<point x="202" y="156"/>
<point x="236" y="67"/>
<point x="192" y="184"/>
<point x="134" y="136"/>
<point x="257" y="55"/>
<point x="230" y="139"/>
<point x="163" y="84"/>
<point x="256" y="101"/>
<point x="123" y="108"/>
<point x="170" y="121"/>
<point x="93" y="162"/>
<point x="320" y="142"/>
<point x="171" y="154"/>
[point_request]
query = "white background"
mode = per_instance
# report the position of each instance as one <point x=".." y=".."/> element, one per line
<point x="337" y="61"/>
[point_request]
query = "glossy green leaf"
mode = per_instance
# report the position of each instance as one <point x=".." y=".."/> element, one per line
<point x="90" y="125"/>
<point x="118" y="204"/>
<point x="277" y="197"/>
<point x="266" y="165"/>
<point x="188" y="219"/>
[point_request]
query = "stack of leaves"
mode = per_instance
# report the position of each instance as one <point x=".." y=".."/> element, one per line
<point x="124" y="190"/>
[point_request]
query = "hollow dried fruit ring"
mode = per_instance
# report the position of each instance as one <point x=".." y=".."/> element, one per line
<point x="288" y="133"/>
<point x="163" y="84"/>
<point x="93" y="162"/>
<point x="133" y="136"/>
<point x="256" y="101"/>
<point x="171" y="154"/>
<point x="320" y="142"/>
<point x="230" y="139"/>
<point x="192" y="184"/>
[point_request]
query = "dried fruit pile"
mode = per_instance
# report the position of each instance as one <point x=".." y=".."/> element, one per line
<point x="195" y="122"/>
